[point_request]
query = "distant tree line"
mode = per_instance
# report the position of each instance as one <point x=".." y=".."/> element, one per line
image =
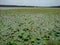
<point x="30" y="6"/>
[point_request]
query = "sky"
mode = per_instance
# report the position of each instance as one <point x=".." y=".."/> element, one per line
<point x="31" y="2"/>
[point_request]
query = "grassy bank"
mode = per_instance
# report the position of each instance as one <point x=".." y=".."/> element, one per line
<point x="40" y="26"/>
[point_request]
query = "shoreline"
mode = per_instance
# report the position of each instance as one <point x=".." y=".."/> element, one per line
<point x="8" y="8"/>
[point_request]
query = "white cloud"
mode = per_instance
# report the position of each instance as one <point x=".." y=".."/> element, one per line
<point x="31" y="2"/>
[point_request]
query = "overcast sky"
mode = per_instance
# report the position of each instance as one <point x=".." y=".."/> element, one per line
<point x="31" y="2"/>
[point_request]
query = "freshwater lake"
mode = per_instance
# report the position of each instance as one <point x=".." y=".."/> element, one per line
<point x="9" y="8"/>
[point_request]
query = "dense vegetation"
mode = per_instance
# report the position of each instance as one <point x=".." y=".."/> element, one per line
<point x="30" y="27"/>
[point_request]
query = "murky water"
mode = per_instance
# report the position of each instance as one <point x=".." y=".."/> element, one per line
<point x="6" y="8"/>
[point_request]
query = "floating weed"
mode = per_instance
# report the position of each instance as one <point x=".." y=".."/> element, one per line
<point x="30" y="27"/>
